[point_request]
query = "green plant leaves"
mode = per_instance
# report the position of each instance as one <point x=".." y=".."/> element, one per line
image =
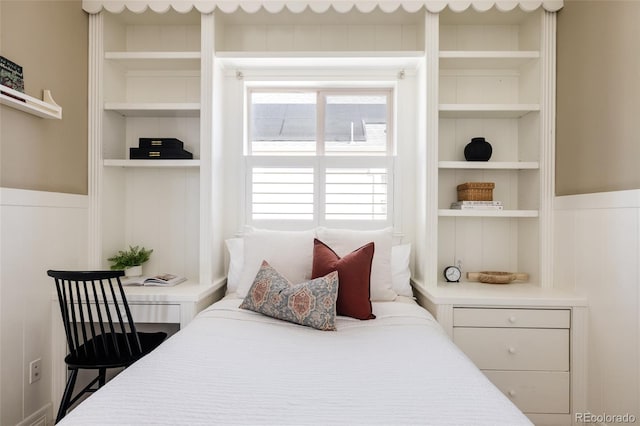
<point x="134" y="256"/>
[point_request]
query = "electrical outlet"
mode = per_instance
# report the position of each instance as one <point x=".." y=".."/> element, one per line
<point x="35" y="370"/>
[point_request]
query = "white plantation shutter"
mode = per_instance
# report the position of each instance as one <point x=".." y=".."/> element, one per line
<point x="282" y="193"/>
<point x="347" y="175"/>
<point x="356" y="194"/>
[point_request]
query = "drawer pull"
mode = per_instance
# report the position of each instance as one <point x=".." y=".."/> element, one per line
<point x="512" y="393"/>
<point x="512" y="319"/>
<point x="511" y="350"/>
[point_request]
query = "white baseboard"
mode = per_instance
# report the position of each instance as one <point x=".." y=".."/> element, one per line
<point x="42" y="417"/>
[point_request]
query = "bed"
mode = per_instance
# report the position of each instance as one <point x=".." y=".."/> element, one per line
<point x="235" y="366"/>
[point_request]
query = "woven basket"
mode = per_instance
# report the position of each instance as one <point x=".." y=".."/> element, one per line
<point x="476" y="191"/>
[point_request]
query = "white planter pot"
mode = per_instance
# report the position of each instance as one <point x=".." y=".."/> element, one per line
<point x="134" y="271"/>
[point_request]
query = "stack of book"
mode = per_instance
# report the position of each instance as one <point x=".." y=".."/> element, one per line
<point x="477" y="205"/>
<point x="11" y="76"/>
<point x="159" y="148"/>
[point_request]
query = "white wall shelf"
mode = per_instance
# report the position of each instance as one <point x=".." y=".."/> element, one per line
<point x="490" y="59"/>
<point x="486" y="110"/>
<point x="151" y="60"/>
<point x="150" y="109"/>
<point x="489" y="165"/>
<point x="152" y="163"/>
<point x="487" y="213"/>
<point x="320" y="59"/>
<point x="45" y="108"/>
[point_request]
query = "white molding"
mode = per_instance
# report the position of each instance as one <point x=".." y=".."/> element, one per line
<point x="547" y="145"/>
<point x="599" y="200"/>
<point x="317" y="6"/>
<point x="207" y="40"/>
<point x="96" y="55"/>
<point x="579" y="359"/>
<point x="432" y="56"/>
<point x="43" y="413"/>
<point x="30" y="198"/>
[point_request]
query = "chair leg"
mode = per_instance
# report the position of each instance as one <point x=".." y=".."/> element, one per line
<point x="66" y="397"/>
<point x="102" y="374"/>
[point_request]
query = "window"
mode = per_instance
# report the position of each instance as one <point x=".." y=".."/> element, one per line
<point x="319" y="156"/>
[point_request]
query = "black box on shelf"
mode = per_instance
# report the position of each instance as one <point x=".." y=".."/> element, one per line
<point x="159" y="154"/>
<point x="160" y="143"/>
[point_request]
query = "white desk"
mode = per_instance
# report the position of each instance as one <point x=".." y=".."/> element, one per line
<point x="149" y="304"/>
<point x="170" y="305"/>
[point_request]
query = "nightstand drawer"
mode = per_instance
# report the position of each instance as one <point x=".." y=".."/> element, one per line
<point x="515" y="348"/>
<point x="528" y="318"/>
<point x="534" y="391"/>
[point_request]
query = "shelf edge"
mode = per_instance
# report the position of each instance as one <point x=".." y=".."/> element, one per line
<point x="152" y="163"/>
<point x="45" y="108"/>
<point x="489" y="165"/>
<point x="488" y="213"/>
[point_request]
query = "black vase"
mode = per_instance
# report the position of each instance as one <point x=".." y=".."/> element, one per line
<point x="478" y="150"/>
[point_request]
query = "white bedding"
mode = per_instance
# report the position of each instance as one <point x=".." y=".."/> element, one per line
<point x="235" y="367"/>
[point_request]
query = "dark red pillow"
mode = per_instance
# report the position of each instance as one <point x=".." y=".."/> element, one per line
<point x="354" y="276"/>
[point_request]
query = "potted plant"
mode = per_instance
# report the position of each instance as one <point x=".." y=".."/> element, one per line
<point x="130" y="260"/>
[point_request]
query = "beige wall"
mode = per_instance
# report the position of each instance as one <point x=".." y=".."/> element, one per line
<point x="49" y="40"/>
<point x="598" y="98"/>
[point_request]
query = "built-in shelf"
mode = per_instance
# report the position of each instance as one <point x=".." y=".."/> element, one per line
<point x="150" y="109"/>
<point x="494" y="59"/>
<point x="45" y="108"/>
<point x="487" y="213"/>
<point x="152" y="163"/>
<point x="486" y="110"/>
<point x="156" y="60"/>
<point x="489" y="165"/>
<point x="354" y="59"/>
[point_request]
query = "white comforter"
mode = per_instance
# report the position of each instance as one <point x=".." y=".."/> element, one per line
<point x="234" y="367"/>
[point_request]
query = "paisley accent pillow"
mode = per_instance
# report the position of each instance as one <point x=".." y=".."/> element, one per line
<point x="311" y="303"/>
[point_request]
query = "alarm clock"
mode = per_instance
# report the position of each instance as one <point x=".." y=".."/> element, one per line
<point x="452" y="274"/>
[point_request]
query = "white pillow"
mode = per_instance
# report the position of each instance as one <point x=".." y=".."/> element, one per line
<point x="400" y="272"/>
<point x="344" y="241"/>
<point x="289" y="252"/>
<point x="235" y="247"/>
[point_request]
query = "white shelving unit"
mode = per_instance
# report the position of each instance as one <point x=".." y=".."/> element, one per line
<point x="489" y="86"/>
<point x="45" y="108"/>
<point x="148" y="82"/>
<point x="494" y="75"/>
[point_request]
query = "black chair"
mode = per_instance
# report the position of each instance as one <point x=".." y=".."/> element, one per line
<point x="100" y="331"/>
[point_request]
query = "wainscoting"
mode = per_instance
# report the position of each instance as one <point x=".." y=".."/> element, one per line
<point x="39" y="231"/>
<point x="597" y="253"/>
